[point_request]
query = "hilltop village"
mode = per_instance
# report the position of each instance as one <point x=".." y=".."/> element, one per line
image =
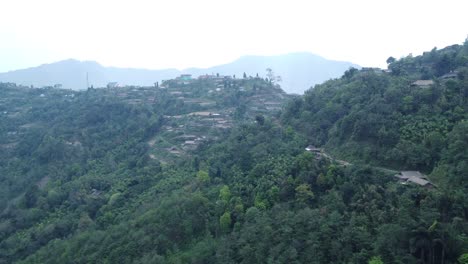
<point x="196" y="110"/>
<point x="202" y="108"/>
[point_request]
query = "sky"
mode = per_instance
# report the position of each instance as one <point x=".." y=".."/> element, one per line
<point x="179" y="34"/>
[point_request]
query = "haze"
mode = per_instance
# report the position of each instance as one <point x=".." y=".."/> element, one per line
<point x="181" y="34"/>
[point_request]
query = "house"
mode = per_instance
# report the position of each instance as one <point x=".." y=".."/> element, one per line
<point x="422" y="83"/>
<point x="58" y="86"/>
<point x="206" y="77"/>
<point x="313" y="149"/>
<point x="371" y="69"/>
<point x="190" y="142"/>
<point x="414" y="177"/>
<point x="185" y="77"/>
<point x="188" y="137"/>
<point x="450" y="75"/>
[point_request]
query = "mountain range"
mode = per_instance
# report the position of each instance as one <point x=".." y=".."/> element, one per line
<point x="298" y="71"/>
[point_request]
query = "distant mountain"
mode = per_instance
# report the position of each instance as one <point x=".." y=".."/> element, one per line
<point x="73" y="74"/>
<point x="299" y="71"/>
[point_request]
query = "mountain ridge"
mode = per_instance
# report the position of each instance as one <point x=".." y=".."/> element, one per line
<point x="299" y="71"/>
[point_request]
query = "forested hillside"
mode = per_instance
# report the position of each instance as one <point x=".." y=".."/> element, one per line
<point x="411" y="117"/>
<point x="215" y="170"/>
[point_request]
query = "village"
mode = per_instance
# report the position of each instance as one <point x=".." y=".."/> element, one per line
<point x="198" y="110"/>
<point x="209" y="105"/>
<point x="203" y="108"/>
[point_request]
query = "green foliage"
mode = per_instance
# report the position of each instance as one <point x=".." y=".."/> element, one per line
<point x="463" y="259"/>
<point x="106" y="177"/>
<point x="390" y="60"/>
<point x="380" y="118"/>
<point x="225" y="193"/>
<point x="225" y="221"/>
<point x="203" y="177"/>
<point x="303" y="193"/>
<point x="375" y="260"/>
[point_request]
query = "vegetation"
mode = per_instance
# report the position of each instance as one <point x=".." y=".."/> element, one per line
<point x="382" y="118"/>
<point x="104" y="176"/>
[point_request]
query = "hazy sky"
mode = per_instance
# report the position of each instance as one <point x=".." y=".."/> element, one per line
<point x="174" y="33"/>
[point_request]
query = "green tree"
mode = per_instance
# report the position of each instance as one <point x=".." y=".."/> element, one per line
<point x="375" y="260"/>
<point x="463" y="259"/>
<point x="225" y="221"/>
<point x="260" y="119"/>
<point x="203" y="176"/>
<point x="225" y="193"/>
<point x="303" y="193"/>
<point x="348" y="74"/>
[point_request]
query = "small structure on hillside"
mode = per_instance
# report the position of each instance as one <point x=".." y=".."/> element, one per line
<point x="371" y="69"/>
<point x="415" y="177"/>
<point x="313" y="149"/>
<point x="186" y="77"/>
<point x="206" y="77"/>
<point x="450" y="75"/>
<point x="422" y="83"/>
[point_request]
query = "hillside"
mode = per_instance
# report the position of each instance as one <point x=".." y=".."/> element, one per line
<point x="50" y="126"/>
<point x="299" y="71"/>
<point x="405" y="118"/>
<point x="215" y="169"/>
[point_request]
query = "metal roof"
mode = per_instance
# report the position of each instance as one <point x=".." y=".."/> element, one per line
<point x="418" y="181"/>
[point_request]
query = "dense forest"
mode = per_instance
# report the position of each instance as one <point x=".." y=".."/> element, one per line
<point x="215" y="171"/>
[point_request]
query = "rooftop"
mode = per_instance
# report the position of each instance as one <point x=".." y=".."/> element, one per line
<point x="418" y="181"/>
<point x="313" y="148"/>
<point x="450" y="75"/>
<point x="423" y="83"/>
<point x="413" y="177"/>
<point x="407" y="174"/>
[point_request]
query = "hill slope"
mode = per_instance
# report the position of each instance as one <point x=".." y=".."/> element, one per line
<point x="209" y="170"/>
<point x="391" y="119"/>
<point x="299" y="71"/>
